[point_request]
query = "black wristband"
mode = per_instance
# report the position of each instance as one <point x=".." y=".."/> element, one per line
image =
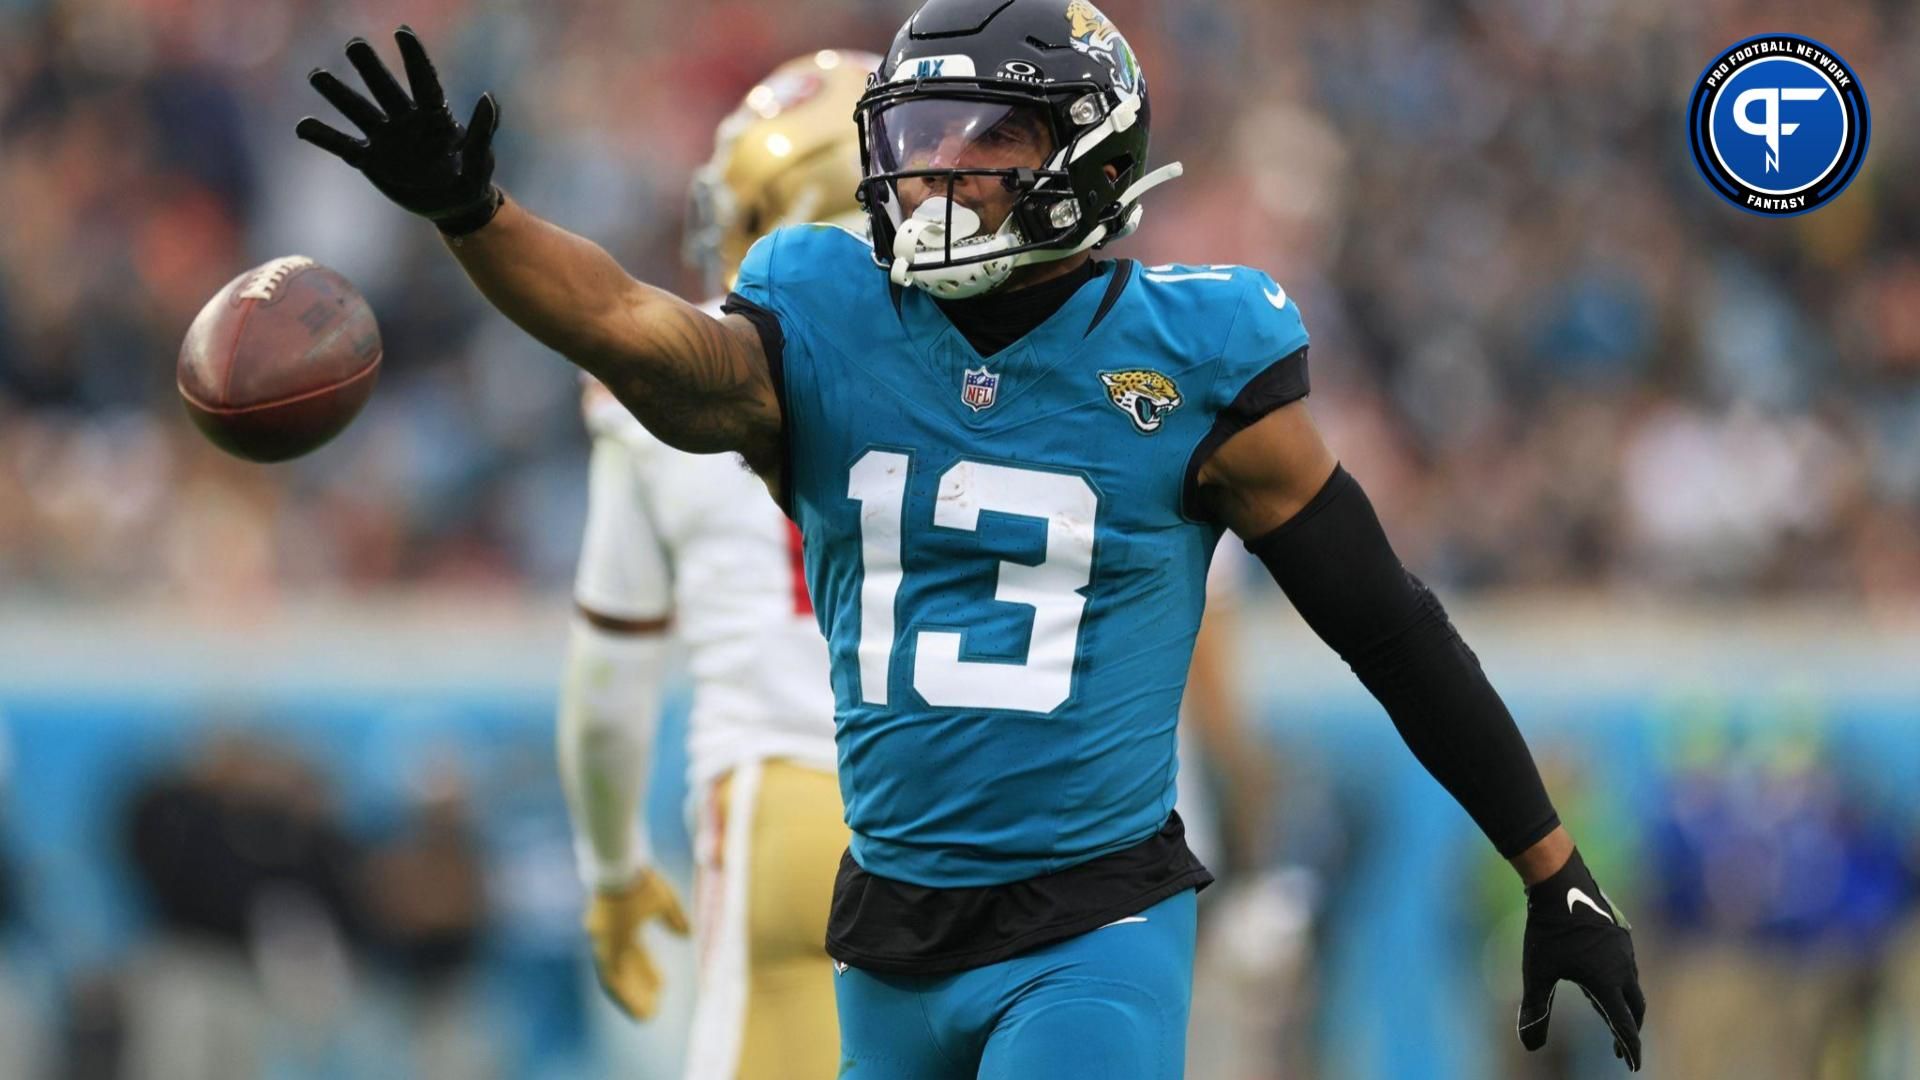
<point x="1333" y="561"/>
<point x="472" y="219"/>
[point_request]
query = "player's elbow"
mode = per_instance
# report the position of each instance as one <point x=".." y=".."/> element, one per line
<point x="613" y="672"/>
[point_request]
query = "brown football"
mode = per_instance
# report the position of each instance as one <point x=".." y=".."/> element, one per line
<point x="280" y="360"/>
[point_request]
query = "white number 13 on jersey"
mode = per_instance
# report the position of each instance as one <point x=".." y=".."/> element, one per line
<point x="1066" y="503"/>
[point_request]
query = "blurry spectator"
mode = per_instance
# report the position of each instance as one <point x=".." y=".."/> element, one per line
<point x="11" y="904"/>
<point x="93" y="1030"/>
<point x="426" y="910"/>
<point x="250" y="883"/>
<point x="1778" y="896"/>
<point x="1892" y="1042"/>
<point x="21" y="1043"/>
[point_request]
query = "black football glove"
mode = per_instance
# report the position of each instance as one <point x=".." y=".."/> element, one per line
<point x="415" y="152"/>
<point x="1573" y="933"/>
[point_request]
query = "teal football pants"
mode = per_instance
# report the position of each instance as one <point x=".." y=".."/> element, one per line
<point x="1110" y="1004"/>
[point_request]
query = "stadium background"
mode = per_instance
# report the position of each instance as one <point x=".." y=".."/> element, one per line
<point x="1662" y="457"/>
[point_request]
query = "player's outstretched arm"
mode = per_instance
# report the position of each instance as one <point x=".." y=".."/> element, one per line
<point x="1280" y="489"/>
<point x="698" y="383"/>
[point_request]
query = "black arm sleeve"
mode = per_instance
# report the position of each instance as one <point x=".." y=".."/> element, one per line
<point x="1333" y="561"/>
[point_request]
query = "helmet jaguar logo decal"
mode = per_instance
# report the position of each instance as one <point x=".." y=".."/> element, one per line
<point x="1090" y="33"/>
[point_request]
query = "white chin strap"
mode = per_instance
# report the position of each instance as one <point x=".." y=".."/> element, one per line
<point x="925" y="234"/>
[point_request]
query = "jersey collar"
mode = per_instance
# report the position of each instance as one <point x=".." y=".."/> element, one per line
<point x="944" y="351"/>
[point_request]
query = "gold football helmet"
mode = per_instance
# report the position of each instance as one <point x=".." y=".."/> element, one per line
<point x="789" y="154"/>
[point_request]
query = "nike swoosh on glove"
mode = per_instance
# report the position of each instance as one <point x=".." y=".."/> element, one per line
<point x="1574" y="934"/>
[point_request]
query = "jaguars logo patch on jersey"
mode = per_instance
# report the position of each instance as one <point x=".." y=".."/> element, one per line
<point x="1145" y="396"/>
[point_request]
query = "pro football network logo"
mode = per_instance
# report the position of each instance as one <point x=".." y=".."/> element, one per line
<point x="1779" y="124"/>
<point x="979" y="387"/>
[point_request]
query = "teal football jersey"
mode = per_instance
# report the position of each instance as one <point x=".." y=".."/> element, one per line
<point x="1000" y="551"/>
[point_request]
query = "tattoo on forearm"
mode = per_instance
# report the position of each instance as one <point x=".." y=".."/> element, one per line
<point x="702" y="388"/>
<point x="698" y="383"/>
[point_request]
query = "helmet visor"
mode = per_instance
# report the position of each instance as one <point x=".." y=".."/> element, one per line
<point x="958" y="149"/>
<point x="947" y="133"/>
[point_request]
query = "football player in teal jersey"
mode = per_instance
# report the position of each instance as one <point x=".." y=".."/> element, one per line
<point x="1011" y="463"/>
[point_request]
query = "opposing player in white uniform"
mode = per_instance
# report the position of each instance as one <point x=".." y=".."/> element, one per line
<point x="693" y="546"/>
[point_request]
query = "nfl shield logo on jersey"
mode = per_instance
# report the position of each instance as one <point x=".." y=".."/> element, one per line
<point x="978" y="387"/>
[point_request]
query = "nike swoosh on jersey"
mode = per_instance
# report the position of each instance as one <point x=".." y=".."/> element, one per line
<point x="1128" y="919"/>
<point x="1575" y="896"/>
<point x="1278" y="297"/>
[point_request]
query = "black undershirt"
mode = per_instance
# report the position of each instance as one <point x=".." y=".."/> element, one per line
<point x="896" y="928"/>
<point x="998" y="319"/>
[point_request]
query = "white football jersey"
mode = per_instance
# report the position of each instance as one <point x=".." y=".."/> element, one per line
<point x="695" y="538"/>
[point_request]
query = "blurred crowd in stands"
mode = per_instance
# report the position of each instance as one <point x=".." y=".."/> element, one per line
<point x="275" y="939"/>
<point x="1551" y="353"/>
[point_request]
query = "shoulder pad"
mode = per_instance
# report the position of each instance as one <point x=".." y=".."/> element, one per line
<point x="1239" y="313"/>
<point x="813" y="270"/>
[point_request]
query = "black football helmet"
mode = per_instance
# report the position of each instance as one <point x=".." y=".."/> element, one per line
<point x="961" y="75"/>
